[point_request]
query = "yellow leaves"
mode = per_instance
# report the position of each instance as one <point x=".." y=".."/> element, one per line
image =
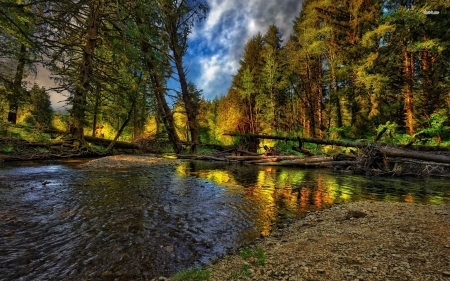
<point x="372" y="37"/>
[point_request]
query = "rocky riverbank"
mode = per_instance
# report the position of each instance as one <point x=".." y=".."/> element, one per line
<point x="356" y="241"/>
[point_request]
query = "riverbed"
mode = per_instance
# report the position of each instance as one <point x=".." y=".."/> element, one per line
<point x="63" y="220"/>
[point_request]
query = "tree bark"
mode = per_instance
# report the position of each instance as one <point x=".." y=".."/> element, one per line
<point x="163" y="109"/>
<point x="409" y="78"/>
<point x="17" y="86"/>
<point x="188" y="104"/>
<point x="392" y="152"/>
<point x="127" y="120"/>
<point x="77" y="113"/>
<point x="165" y="113"/>
<point x="96" y="107"/>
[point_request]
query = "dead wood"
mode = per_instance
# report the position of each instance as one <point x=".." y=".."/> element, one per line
<point x="342" y="143"/>
<point x="324" y="164"/>
<point x="201" y="157"/>
<point x="392" y="152"/>
<point x="248" y="152"/>
<point x="295" y="162"/>
<point x="305" y="151"/>
<point x="259" y="157"/>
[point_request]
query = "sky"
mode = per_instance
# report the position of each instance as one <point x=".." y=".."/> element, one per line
<point x="216" y="45"/>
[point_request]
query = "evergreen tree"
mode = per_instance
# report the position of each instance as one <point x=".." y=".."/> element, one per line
<point x="41" y="107"/>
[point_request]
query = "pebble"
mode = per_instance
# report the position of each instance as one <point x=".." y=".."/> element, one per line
<point x="380" y="248"/>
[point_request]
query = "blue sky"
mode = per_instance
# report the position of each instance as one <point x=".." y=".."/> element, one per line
<point x="216" y="44"/>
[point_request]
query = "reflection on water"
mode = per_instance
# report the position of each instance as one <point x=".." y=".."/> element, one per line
<point x="288" y="193"/>
<point x="60" y="222"/>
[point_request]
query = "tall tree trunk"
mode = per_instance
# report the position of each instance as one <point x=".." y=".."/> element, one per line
<point x="17" y="85"/>
<point x="428" y="102"/>
<point x="409" y="77"/>
<point x="77" y="113"/>
<point x="319" y="97"/>
<point x="336" y="97"/>
<point x="96" y="107"/>
<point x="188" y="104"/>
<point x="124" y="124"/>
<point x="163" y="109"/>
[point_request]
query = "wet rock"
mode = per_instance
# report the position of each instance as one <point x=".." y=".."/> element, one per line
<point x="355" y="214"/>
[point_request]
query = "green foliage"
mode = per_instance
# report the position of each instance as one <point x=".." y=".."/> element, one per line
<point x="256" y="255"/>
<point x="41" y="106"/>
<point x="246" y="253"/>
<point x="246" y="270"/>
<point x="260" y="256"/>
<point x="7" y="149"/>
<point x="202" y="150"/>
<point x="390" y="135"/>
<point x="193" y="274"/>
<point x="437" y="128"/>
<point x="286" y="148"/>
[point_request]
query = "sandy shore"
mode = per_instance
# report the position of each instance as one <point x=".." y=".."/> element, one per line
<point x="129" y="161"/>
<point x="356" y="241"/>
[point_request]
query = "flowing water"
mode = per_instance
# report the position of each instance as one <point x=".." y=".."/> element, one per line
<point x="61" y="222"/>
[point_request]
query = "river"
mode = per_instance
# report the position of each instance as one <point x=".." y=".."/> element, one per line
<point x="59" y="221"/>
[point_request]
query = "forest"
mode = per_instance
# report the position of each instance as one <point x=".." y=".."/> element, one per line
<point x="350" y="70"/>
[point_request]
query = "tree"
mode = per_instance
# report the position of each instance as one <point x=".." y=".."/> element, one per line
<point x="272" y="73"/>
<point x="41" y="106"/>
<point x="17" y="49"/>
<point x="177" y="19"/>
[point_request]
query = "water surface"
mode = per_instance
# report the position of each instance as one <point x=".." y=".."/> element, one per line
<point x="61" y="222"/>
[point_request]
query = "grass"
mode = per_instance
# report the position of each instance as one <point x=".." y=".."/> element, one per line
<point x="257" y="255"/>
<point x="260" y="256"/>
<point x="192" y="274"/>
<point x="246" y="270"/>
<point x="246" y="253"/>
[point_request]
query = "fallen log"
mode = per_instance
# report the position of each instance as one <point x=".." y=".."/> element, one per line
<point x="248" y="152"/>
<point x="295" y="162"/>
<point x="201" y="157"/>
<point x="310" y="164"/>
<point x="281" y="157"/>
<point x="342" y="143"/>
<point x="262" y="161"/>
<point x="305" y="151"/>
<point x="99" y="141"/>
<point x="392" y="152"/>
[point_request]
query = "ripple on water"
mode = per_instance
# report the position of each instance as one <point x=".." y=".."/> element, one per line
<point x="148" y="222"/>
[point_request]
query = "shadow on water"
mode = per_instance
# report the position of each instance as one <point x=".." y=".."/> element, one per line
<point x="58" y="221"/>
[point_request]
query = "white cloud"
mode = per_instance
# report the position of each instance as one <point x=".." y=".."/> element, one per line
<point x="217" y="44"/>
